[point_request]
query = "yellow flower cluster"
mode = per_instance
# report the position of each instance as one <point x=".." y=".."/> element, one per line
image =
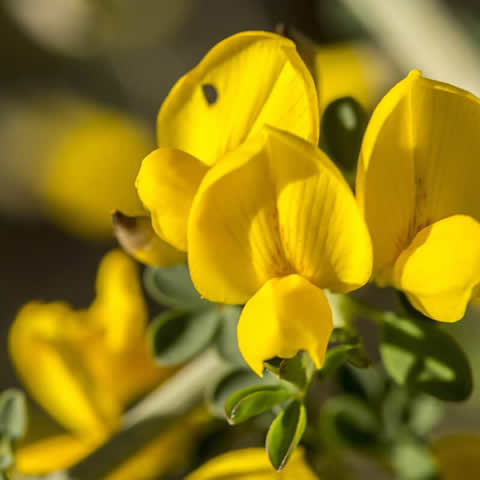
<point x="268" y="220"/>
<point x="84" y="367"/>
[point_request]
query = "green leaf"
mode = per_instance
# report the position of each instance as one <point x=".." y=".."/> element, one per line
<point x="253" y="401"/>
<point x="285" y="433"/>
<point x="223" y="387"/>
<point x="297" y="370"/>
<point x="6" y="453"/>
<point x="412" y="460"/>
<point x="343" y="124"/>
<point x="226" y="342"/>
<point x="337" y="356"/>
<point x="419" y="354"/>
<point x="175" y="337"/>
<point x="426" y="412"/>
<point x="348" y="420"/>
<point x="173" y="287"/>
<point x="13" y="414"/>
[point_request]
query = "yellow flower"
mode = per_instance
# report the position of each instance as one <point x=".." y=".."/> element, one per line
<point x="90" y="169"/>
<point x="83" y="367"/>
<point x="246" y="81"/>
<point x="272" y="225"/>
<point x="417" y="186"/>
<point x="252" y="464"/>
<point x="457" y="456"/>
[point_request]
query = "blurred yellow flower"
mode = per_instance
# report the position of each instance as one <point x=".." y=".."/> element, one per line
<point x="457" y="456"/>
<point x="246" y="81"/>
<point x="338" y="69"/>
<point x="272" y="225"/>
<point x="90" y="170"/>
<point x="252" y="464"/>
<point x="84" y="367"/>
<point x="417" y="186"/>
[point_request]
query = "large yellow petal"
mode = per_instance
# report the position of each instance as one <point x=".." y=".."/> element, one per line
<point x="247" y="80"/>
<point x="47" y="346"/>
<point x="419" y="163"/>
<point x="119" y="308"/>
<point x="276" y="205"/>
<point x="252" y="464"/>
<point x="386" y="177"/>
<point x="166" y="184"/>
<point x="440" y="270"/>
<point x="286" y="315"/>
<point x="54" y="453"/>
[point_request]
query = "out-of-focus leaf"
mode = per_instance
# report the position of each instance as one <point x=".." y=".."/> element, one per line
<point x="347" y="420"/>
<point x="343" y="124"/>
<point x="173" y="287"/>
<point x="422" y="356"/>
<point x="226" y="342"/>
<point x="285" y="433"/>
<point x="177" y="336"/>
<point x="13" y="414"/>
<point x="252" y="401"/>
<point x="337" y="356"/>
<point x="229" y="383"/>
<point x="412" y="460"/>
<point x="426" y="412"/>
<point x="6" y="453"/>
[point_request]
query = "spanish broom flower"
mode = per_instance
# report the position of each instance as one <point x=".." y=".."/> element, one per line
<point x="417" y="188"/>
<point x="246" y="81"/>
<point x="84" y="367"/>
<point x="272" y="225"/>
<point x="252" y="464"/>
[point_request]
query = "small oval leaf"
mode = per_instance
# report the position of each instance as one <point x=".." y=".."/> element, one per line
<point x="253" y="401"/>
<point x="421" y="355"/>
<point x="285" y="433"/>
<point x="173" y="287"/>
<point x="13" y="414"/>
<point x="175" y="337"/>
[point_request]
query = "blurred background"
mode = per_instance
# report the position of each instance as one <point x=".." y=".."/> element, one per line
<point x="82" y="80"/>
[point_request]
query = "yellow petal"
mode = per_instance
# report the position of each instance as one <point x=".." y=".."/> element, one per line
<point x="440" y="269"/>
<point x="386" y="177"/>
<point x="91" y="170"/>
<point x="252" y="464"/>
<point x="276" y="205"/>
<point x="119" y="308"/>
<point x="136" y="236"/>
<point x="166" y="184"/>
<point x="54" y="453"/>
<point x="48" y="345"/>
<point x="135" y="373"/>
<point x="419" y="163"/>
<point x="247" y="80"/>
<point x="457" y="456"/>
<point x="286" y="315"/>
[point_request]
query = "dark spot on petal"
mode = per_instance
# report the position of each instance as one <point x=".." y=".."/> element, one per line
<point x="210" y="93"/>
